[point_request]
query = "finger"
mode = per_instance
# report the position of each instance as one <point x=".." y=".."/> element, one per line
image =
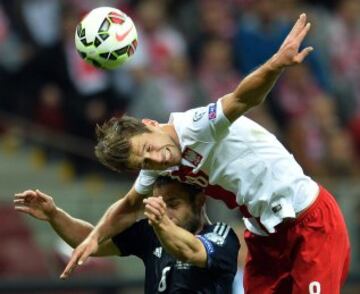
<point x="18" y="201"/>
<point x="162" y="203"/>
<point x="68" y="270"/>
<point x="38" y="192"/>
<point x="159" y="200"/>
<point x="158" y="204"/>
<point x="151" y="219"/>
<point x="26" y="197"/>
<point x="152" y="210"/>
<point x="150" y="216"/>
<point x="301" y="56"/>
<point x="71" y="265"/>
<point x="150" y="222"/>
<point x="24" y="209"/>
<point x="155" y="211"/>
<point x="85" y="255"/>
<point x="18" y="196"/>
<point x="149" y="199"/>
<point x="25" y="193"/>
<point x="303" y="33"/>
<point x="298" y="26"/>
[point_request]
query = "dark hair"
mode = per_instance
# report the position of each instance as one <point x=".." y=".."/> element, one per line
<point x="192" y="190"/>
<point x="113" y="136"/>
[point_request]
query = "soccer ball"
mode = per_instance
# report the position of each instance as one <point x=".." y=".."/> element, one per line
<point x="106" y="37"/>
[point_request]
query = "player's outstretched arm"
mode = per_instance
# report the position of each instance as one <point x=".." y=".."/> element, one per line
<point x="72" y="230"/>
<point x="178" y="242"/>
<point x="116" y="219"/>
<point x="253" y="89"/>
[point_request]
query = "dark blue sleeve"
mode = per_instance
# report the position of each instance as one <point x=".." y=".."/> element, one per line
<point x="134" y="240"/>
<point x="222" y="247"/>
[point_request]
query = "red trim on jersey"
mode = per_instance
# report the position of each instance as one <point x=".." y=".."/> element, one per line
<point x="185" y="174"/>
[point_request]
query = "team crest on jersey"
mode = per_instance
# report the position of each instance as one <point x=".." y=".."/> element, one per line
<point x="212" y="111"/>
<point x="192" y="156"/>
<point x="198" y="115"/>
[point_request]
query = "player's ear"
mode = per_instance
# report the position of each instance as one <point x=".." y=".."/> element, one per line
<point x="150" y="122"/>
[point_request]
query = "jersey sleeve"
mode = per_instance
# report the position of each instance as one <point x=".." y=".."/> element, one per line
<point x="134" y="240"/>
<point x="145" y="181"/>
<point x="205" y="124"/>
<point x="222" y="247"/>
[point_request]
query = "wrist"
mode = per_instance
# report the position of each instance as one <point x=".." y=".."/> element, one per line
<point x="54" y="213"/>
<point x="95" y="236"/>
<point x="274" y="65"/>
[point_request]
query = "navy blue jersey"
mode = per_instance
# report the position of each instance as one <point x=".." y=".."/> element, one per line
<point x="165" y="274"/>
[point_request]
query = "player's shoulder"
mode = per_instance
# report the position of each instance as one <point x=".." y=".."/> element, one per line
<point x="189" y="116"/>
<point x="202" y="124"/>
<point x="220" y="233"/>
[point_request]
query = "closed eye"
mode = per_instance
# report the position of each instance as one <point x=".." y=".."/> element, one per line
<point x="172" y="204"/>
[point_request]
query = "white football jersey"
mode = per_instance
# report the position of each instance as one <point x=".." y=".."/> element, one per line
<point x="240" y="163"/>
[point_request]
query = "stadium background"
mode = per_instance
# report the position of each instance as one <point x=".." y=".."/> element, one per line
<point x="190" y="53"/>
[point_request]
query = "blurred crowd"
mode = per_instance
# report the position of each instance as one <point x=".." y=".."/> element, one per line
<point x="191" y="52"/>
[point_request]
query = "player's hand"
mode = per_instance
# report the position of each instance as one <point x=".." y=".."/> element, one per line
<point x="288" y="54"/>
<point x="35" y="203"/>
<point x="81" y="253"/>
<point x="155" y="209"/>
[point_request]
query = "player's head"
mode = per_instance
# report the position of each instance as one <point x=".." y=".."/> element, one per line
<point x="127" y="143"/>
<point x="185" y="203"/>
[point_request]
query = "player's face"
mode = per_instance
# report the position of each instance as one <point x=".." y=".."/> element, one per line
<point x="155" y="150"/>
<point x="180" y="209"/>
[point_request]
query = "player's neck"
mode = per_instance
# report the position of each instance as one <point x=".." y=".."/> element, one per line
<point x="204" y="220"/>
<point x="170" y="129"/>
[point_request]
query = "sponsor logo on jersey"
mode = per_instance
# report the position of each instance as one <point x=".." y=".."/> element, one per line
<point x="212" y="111"/>
<point x="198" y="115"/>
<point x="182" y="265"/>
<point x="158" y="252"/>
<point x="192" y="156"/>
